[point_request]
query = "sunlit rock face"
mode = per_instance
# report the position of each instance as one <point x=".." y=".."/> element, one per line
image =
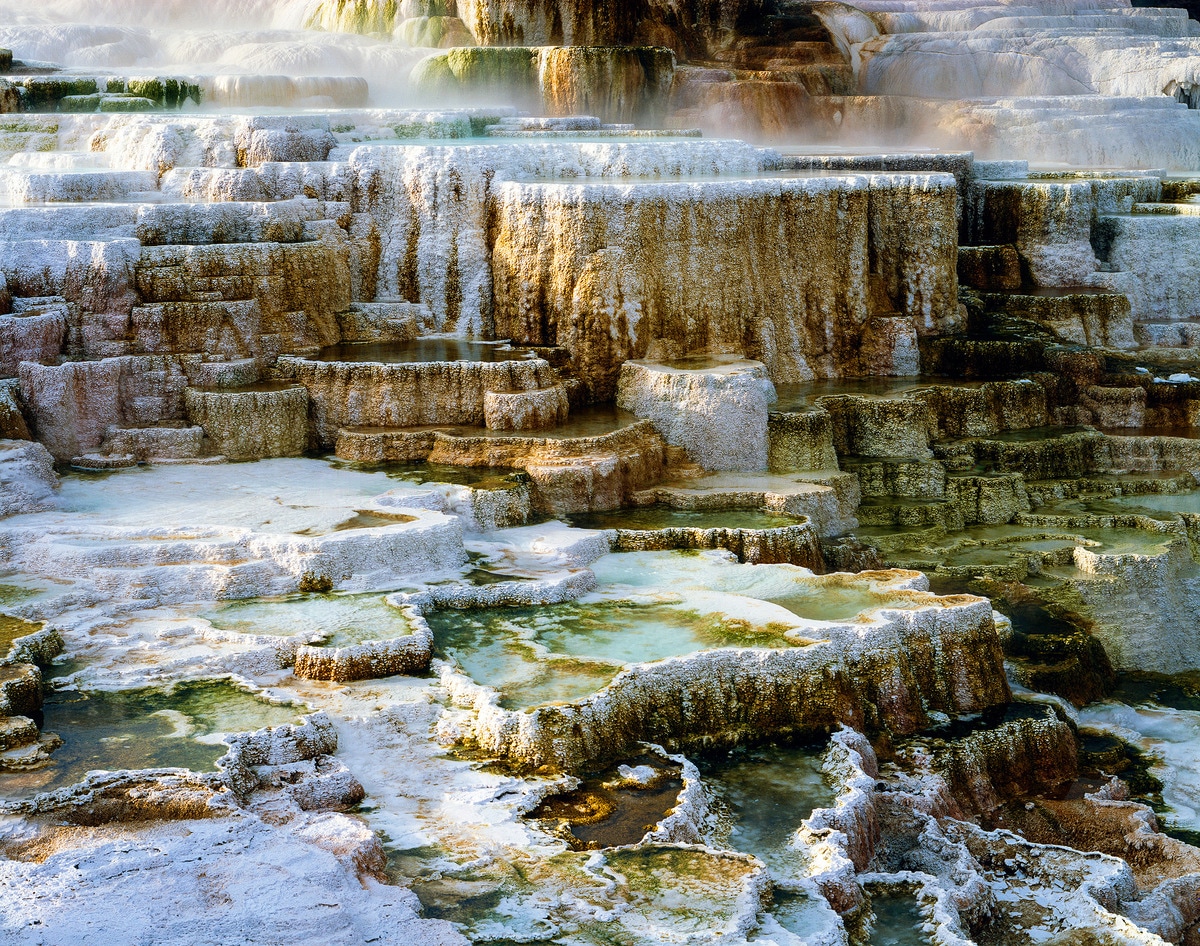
<point x="717" y="411"/>
<point x="606" y="289"/>
<point x="435" y="204"/>
<point x="616" y="83"/>
<point x="681" y="25"/>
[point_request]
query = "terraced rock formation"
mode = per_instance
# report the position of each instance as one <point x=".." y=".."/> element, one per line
<point x="437" y="466"/>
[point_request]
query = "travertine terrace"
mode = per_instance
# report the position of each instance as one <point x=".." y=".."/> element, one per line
<point x="479" y="471"/>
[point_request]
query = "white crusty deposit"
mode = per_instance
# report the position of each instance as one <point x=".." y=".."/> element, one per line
<point x="176" y="534"/>
<point x="28" y="482"/>
<point x="284" y="881"/>
<point x="715" y="407"/>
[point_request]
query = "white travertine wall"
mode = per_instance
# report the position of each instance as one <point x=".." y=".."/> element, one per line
<point x="1005" y="63"/>
<point x="430" y="206"/>
<point x="718" y="413"/>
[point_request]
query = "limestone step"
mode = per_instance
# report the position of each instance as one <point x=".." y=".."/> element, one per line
<point x="30" y="304"/>
<point x="98" y="462"/>
<point x="990" y="268"/>
<point x="231" y="373"/>
<point x="1077" y="315"/>
<point x="13" y="425"/>
<point x="278" y="91"/>
<point x="191" y="223"/>
<point x="1176" y="189"/>
<point x="595" y="469"/>
<point x="1015" y="211"/>
<point x="580" y="126"/>
<point x="62" y="160"/>
<point x="269" y="419"/>
<point x="828" y="498"/>
<point x="20" y="689"/>
<point x="1167" y="334"/>
<point x="885" y="428"/>
<point x="1110" y="405"/>
<point x="104" y="184"/>
<point x="511" y="123"/>
<point x="283" y="278"/>
<point x="168" y="444"/>
<point x="17" y="731"/>
<point x="481" y="446"/>
<point x="27" y="133"/>
<point x="212" y="460"/>
<point x="1148" y="23"/>
<point x="910" y="513"/>
<point x="846" y="553"/>
<point x="987" y="499"/>
<point x="1167" y="209"/>
<point x="800" y="440"/>
<point x="160" y="443"/>
<point x="1045" y="453"/>
<point x="81" y="93"/>
<point x="34" y="755"/>
<point x="40" y="88"/>
<point x="968" y="357"/>
<point x="1107" y="486"/>
<point x="778" y="64"/>
<point x="538" y="409"/>
<point x="106" y="102"/>
<point x="898" y="478"/>
<point x="384" y="321"/>
<point x="32" y="333"/>
<point x="111" y="221"/>
<point x="614" y="131"/>
<point x="228" y="328"/>
<point x="1074" y="454"/>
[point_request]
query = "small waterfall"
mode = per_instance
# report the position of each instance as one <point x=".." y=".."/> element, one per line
<point x="1187" y="93"/>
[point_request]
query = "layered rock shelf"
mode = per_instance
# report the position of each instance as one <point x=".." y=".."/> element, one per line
<point x="721" y="695"/>
<point x="438" y="393"/>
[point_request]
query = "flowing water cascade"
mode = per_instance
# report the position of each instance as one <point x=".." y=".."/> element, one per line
<point x="583" y="473"/>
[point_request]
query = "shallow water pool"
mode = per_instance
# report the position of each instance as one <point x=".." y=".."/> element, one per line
<point x="568" y="651"/>
<point x="762" y="795"/>
<point x="330" y="620"/>
<point x="177" y="727"/>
